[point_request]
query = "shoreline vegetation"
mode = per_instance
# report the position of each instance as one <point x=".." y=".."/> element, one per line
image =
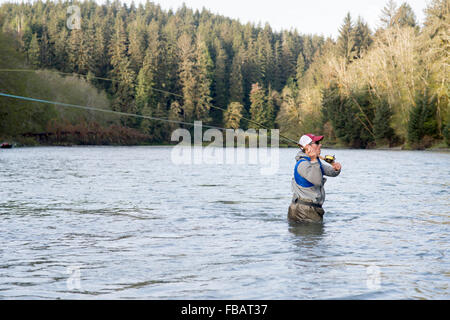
<point x="369" y="89"/>
<point x="26" y="142"/>
<point x="432" y="149"/>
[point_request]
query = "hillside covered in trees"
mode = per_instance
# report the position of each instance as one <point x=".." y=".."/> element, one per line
<point x="383" y="87"/>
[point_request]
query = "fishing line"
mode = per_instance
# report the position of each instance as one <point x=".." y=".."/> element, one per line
<point x="129" y="114"/>
<point x="85" y="76"/>
<point x="102" y="110"/>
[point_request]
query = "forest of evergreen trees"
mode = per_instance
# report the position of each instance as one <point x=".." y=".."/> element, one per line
<point x="383" y="87"/>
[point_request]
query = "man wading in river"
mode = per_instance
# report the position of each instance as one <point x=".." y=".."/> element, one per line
<point x="308" y="182"/>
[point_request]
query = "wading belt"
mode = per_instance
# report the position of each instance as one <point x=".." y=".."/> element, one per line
<point x="306" y="203"/>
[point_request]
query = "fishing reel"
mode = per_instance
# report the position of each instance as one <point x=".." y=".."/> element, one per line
<point x="329" y="159"/>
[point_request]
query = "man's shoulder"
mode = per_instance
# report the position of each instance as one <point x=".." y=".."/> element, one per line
<point x="302" y="159"/>
<point x="305" y="163"/>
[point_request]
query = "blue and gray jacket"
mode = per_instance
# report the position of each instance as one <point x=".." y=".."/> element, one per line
<point x="308" y="181"/>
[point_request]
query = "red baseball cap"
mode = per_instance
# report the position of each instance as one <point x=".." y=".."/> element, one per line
<point x="308" y="138"/>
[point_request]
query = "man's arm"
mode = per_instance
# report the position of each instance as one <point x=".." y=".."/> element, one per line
<point x="331" y="171"/>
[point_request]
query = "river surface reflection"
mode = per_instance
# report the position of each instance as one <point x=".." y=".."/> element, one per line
<point x="125" y="222"/>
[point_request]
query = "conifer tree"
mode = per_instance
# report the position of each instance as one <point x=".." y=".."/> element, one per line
<point x="233" y="115"/>
<point x="346" y="115"/>
<point x="362" y="37"/>
<point x="258" y="108"/>
<point x="422" y="119"/>
<point x="211" y="60"/>
<point x="123" y="87"/>
<point x="405" y="16"/>
<point x="381" y="123"/>
<point x="307" y="50"/>
<point x="148" y="76"/>
<point x="388" y="14"/>
<point x="220" y="84"/>
<point x="300" y="67"/>
<point x="75" y="43"/>
<point x="446" y="131"/>
<point x="265" y="59"/>
<point x="100" y="52"/>
<point x="47" y="55"/>
<point x="86" y="58"/>
<point x="34" y="52"/>
<point x="278" y="80"/>
<point x="204" y="76"/>
<point x="346" y="39"/>
<point x="137" y="43"/>
<point x="143" y="89"/>
<point x="270" y="112"/>
<point x="187" y="75"/>
<point x="61" y="50"/>
<point x="159" y="130"/>
<point x="288" y="55"/>
<point x="176" y="113"/>
<point x="252" y="74"/>
<point x="288" y="117"/>
<point x="236" y="79"/>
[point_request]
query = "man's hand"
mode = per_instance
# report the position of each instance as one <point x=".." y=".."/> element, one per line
<point x="336" y="166"/>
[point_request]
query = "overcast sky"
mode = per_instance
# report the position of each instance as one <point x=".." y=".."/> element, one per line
<point x="307" y="16"/>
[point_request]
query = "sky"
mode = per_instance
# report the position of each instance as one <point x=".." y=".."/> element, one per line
<point x="322" y="17"/>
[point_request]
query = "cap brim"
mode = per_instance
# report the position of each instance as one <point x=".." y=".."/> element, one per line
<point x="317" y="138"/>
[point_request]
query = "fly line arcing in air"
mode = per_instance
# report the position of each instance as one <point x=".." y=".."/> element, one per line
<point x="118" y="112"/>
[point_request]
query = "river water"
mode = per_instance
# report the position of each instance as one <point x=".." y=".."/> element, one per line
<point x="128" y="223"/>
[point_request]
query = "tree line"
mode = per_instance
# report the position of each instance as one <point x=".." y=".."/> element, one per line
<point x="367" y="88"/>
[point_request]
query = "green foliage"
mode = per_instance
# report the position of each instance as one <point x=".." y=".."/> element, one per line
<point x="348" y="116"/>
<point x="233" y="115"/>
<point x="20" y="117"/>
<point x="288" y="117"/>
<point x="259" y="108"/>
<point x="220" y="84"/>
<point x="422" y="119"/>
<point x="381" y="123"/>
<point x="402" y="16"/>
<point x="300" y="67"/>
<point x="123" y="88"/>
<point x="272" y="108"/>
<point x="184" y="64"/>
<point x="405" y="16"/>
<point x="354" y="39"/>
<point x="346" y="39"/>
<point x="34" y="52"/>
<point x="187" y="75"/>
<point x="236" y="79"/>
<point x="363" y="38"/>
<point x="207" y="59"/>
<point x="447" y="134"/>
<point x="203" y="75"/>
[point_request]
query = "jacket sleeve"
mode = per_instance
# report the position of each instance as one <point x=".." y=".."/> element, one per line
<point x="329" y="171"/>
<point x="311" y="172"/>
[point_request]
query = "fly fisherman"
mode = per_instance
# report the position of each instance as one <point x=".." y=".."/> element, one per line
<point x="308" y="182"/>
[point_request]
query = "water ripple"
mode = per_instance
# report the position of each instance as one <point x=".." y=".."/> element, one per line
<point x="127" y="223"/>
